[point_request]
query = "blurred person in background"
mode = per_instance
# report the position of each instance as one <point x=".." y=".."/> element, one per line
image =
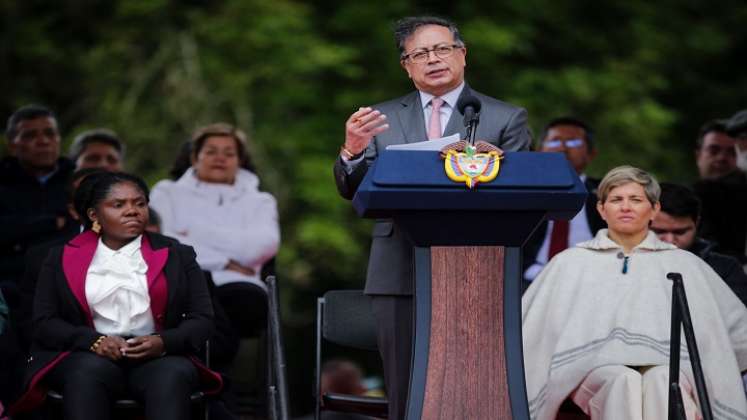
<point x="217" y="207"/>
<point x="575" y="139"/>
<point x="98" y="148"/>
<point x="722" y="189"/>
<point x="715" y="153"/>
<point x="33" y="209"/>
<point x="677" y="224"/>
<point x="340" y="376"/>
<point x="736" y="126"/>
<point x="32" y="182"/>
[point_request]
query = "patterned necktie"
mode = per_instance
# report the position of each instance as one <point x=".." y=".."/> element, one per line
<point x="434" y="125"/>
<point x="558" y="238"/>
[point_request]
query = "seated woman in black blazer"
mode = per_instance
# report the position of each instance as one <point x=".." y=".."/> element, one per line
<point x="119" y="311"/>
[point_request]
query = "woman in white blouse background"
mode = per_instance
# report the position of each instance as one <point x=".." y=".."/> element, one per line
<point x="119" y="312"/>
<point x="216" y="207"/>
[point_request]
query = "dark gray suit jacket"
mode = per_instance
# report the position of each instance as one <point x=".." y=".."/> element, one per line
<point x="390" y="262"/>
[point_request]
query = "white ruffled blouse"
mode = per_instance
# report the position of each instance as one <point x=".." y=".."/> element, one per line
<point x="117" y="291"/>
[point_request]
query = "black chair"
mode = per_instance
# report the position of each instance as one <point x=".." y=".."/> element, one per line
<point x="277" y="383"/>
<point x="344" y="317"/>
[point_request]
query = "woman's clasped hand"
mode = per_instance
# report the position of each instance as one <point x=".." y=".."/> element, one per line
<point x="115" y="348"/>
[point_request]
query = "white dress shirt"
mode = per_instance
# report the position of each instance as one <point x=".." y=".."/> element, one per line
<point x="117" y="291"/>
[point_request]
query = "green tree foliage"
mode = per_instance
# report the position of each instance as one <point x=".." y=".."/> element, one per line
<point x="644" y="74"/>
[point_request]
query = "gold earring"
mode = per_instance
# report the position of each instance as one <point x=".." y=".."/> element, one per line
<point x="96" y="227"/>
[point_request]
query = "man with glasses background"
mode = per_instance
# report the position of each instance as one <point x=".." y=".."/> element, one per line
<point x="677" y="223"/>
<point x="433" y="55"/>
<point x="575" y="139"/>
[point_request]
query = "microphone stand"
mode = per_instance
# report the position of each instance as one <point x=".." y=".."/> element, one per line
<point x="681" y="318"/>
<point x="472" y="128"/>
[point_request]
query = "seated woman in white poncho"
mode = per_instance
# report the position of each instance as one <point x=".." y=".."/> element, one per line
<point x="596" y="322"/>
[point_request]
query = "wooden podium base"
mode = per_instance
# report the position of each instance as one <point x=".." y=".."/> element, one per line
<point x="463" y="351"/>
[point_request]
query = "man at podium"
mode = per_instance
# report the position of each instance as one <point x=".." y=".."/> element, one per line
<point x="433" y="55"/>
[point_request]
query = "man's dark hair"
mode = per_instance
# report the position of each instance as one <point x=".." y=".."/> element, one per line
<point x="718" y="126"/>
<point x="26" y="112"/>
<point x="405" y="27"/>
<point x="96" y="135"/>
<point x="679" y="201"/>
<point x="576" y="122"/>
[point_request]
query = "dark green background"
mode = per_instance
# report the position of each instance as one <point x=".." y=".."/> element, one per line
<point x="644" y="74"/>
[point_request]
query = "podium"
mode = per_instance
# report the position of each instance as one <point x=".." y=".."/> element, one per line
<point x="467" y="356"/>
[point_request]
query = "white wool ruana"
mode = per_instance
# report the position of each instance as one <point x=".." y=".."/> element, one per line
<point x="221" y="221"/>
<point x="582" y="313"/>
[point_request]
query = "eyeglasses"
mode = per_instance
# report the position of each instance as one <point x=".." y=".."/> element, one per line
<point x="569" y="144"/>
<point x="421" y="56"/>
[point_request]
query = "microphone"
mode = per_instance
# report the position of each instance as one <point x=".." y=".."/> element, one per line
<point x="470" y="107"/>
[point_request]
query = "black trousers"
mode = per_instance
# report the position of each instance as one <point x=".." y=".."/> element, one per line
<point x="394" y="318"/>
<point x="91" y="383"/>
<point x="246" y="306"/>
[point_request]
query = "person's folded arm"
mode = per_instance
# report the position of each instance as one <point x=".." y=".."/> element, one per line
<point x="250" y="245"/>
<point x="209" y="257"/>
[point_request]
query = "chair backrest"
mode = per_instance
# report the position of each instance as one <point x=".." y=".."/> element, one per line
<point x="348" y="319"/>
<point x="345" y="317"/>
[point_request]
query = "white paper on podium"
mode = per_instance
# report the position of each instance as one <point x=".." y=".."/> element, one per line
<point x="434" y="145"/>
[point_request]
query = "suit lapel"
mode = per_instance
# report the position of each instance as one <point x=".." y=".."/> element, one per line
<point x="411" y="118"/>
<point x="76" y="258"/>
<point x="155" y="259"/>
<point x="157" y="262"/>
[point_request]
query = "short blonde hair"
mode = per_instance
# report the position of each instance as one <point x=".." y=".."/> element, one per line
<point x="626" y="174"/>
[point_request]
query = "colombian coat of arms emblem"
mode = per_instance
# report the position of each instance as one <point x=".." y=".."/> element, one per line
<point x="471" y="164"/>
